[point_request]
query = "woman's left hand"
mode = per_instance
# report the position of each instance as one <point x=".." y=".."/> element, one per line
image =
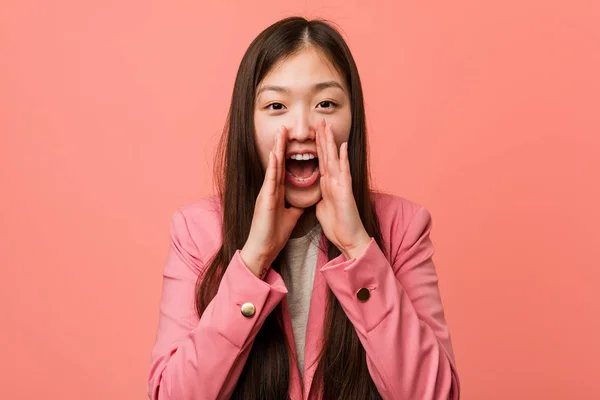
<point x="336" y="211"/>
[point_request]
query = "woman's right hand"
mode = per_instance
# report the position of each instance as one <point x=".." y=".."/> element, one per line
<point x="272" y="222"/>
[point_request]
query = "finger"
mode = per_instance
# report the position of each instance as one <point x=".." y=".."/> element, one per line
<point x="277" y="155"/>
<point x="344" y="163"/>
<point x="321" y="153"/>
<point x="332" y="152"/>
<point x="270" y="183"/>
<point x="282" y="145"/>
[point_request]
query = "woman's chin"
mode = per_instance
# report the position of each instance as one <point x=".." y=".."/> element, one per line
<point x="303" y="197"/>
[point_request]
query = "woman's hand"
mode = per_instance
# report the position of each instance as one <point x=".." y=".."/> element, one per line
<point x="337" y="211"/>
<point x="272" y="223"/>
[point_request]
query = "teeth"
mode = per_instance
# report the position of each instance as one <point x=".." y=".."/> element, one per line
<point x="301" y="157"/>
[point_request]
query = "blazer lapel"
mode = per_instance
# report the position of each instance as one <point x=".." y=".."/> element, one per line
<point x="316" y="315"/>
<point x="295" y="378"/>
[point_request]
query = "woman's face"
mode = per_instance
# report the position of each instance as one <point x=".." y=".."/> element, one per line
<point x="297" y="93"/>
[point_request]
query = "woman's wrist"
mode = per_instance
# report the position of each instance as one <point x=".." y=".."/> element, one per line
<point x="357" y="248"/>
<point x="256" y="264"/>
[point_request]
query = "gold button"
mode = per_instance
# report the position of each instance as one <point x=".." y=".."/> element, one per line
<point x="248" y="310"/>
<point x="363" y="294"/>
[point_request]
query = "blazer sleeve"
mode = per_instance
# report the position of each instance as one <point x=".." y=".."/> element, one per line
<point x="402" y="325"/>
<point x="202" y="358"/>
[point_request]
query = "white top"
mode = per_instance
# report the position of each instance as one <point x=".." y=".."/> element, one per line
<point x="298" y="275"/>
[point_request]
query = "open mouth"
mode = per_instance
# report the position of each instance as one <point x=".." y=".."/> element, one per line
<point x="302" y="170"/>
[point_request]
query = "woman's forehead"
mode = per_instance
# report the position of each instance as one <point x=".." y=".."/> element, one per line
<point x="302" y="71"/>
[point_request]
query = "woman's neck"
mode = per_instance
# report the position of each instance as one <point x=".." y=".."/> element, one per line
<point x="307" y="221"/>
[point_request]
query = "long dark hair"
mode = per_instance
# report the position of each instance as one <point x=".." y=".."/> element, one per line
<point x="342" y="371"/>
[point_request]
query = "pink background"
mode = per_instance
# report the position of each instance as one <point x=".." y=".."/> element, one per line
<point x="488" y="113"/>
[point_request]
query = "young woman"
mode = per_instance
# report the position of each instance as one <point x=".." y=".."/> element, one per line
<point x="298" y="281"/>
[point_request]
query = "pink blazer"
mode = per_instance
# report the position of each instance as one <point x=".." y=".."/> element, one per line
<point x="401" y="326"/>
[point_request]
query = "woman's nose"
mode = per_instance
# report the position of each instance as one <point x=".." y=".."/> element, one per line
<point x="302" y="129"/>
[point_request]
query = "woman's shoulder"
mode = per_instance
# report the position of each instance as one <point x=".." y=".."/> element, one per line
<point x="400" y="220"/>
<point x="204" y="211"/>
<point x="392" y="207"/>
<point x="197" y="225"/>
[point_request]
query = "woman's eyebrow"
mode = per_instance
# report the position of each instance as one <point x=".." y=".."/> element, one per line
<point x="316" y="88"/>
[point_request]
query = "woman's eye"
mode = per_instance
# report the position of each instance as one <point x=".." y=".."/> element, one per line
<point x="276" y="106"/>
<point x="327" y="104"/>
